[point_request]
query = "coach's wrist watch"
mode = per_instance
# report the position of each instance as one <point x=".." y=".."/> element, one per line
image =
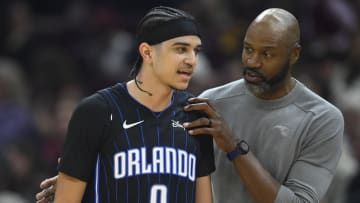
<point x="241" y="148"/>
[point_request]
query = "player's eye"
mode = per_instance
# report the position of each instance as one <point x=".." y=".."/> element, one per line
<point x="180" y="49"/>
<point x="197" y="50"/>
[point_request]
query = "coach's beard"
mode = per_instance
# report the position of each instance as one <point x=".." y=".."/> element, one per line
<point x="266" y="85"/>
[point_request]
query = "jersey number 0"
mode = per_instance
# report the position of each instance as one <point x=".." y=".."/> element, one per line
<point x="158" y="192"/>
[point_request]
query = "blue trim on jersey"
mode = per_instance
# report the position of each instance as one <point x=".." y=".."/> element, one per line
<point x="177" y="189"/>
<point x="127" y="137"/>
<point x="155" y="114"/>
<point x="106" y="179"/>
<point x="97" y="179"/>
<point x="178" y="182"/>
<point x="120" y="113"/>
<point x="171" y="166"/>
<point x="117" y="181"/>
<point x="109" y="159"/>
<point x="143" y="142"/>
<point x="141" y="127"/>
<point x="158" y="138"/>
<point x="186" y="146"/>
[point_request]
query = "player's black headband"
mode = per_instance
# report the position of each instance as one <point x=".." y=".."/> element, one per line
<point x="168" y="30"/>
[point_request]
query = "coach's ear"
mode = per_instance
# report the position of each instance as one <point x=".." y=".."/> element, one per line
<point x="295" y="54"/>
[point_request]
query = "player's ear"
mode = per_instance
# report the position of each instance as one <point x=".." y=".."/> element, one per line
<point x="145" y="51"/>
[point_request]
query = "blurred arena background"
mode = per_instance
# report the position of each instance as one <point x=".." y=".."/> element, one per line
<point x="53" y="53"/>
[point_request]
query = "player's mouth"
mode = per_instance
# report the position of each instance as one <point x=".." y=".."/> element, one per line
<point x="185" y="74"/>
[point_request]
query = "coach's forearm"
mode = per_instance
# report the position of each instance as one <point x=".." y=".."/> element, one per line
<point x="261" y="185"/>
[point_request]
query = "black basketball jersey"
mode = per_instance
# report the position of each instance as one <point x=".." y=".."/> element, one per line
<point x="127" y="153"/>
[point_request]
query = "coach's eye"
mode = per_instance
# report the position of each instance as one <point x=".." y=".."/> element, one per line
<point x="267" y="54"/>
<point x="247" y="49"/>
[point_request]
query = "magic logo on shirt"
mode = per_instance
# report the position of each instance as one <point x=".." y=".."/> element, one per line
<point x="165" y="160"/>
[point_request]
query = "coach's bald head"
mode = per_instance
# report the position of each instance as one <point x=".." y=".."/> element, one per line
<point x="279" y="23"/>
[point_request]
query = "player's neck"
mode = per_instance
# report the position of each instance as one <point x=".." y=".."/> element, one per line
<point x="159" y="99"/>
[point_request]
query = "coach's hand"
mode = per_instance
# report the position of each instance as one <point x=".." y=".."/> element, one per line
<point x="48" y="187"/>
<point x="212" y="125"/>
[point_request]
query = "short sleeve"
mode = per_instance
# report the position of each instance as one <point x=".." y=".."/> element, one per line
<point x="206" y="159"/>
<point x="206" y="163"/>
<point x="86" y="130"/>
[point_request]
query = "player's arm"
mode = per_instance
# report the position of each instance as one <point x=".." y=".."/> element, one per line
<point x="69" y="189"/>
<point x="86" y="127"/>
<point x="203" y="190"/>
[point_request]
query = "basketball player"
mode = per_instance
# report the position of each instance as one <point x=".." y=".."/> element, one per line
<point x="126" y="143"/>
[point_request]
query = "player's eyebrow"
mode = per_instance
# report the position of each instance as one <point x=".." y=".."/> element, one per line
<point x="184" y="44"/>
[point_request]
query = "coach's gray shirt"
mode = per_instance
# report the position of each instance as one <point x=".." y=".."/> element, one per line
<point x="297" y="138"/>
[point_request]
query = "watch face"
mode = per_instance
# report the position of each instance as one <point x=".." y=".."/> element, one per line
<point x="244" y="146"/>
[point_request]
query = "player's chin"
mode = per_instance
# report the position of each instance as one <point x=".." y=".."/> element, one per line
<point x="181" y="86"/>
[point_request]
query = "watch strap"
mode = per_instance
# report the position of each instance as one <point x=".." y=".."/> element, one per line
<point x="239" y="150"/>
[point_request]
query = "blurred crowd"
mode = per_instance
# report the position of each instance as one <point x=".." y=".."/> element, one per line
<point x="53" y="53"/>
